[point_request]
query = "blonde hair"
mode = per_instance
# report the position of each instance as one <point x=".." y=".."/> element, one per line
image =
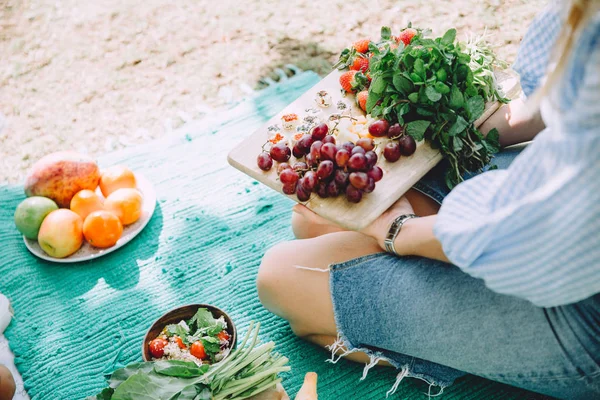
<point x="579" y="13"/>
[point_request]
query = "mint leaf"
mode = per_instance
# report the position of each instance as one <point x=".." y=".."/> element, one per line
<point x="459" y="126"/>
<point x="432" y="94"/>
<point x="442" y="88"/>
<point x="202" y="318"/>
<point x="402" y="84"/>
<point x="402" y="109"/>
<point x="457" y="144"/>
<point x="449" y="36"/>
<point x="372" y="100"/>
<point x="492" y="141"/>
<point x="386" y="33"/>
<point x="417" y="129"/>
<point x="420" y="68"/>
<point x="211" y="344"/>
<point x="176" y="329"/>
<point x="475" y="106"/>
<point x="457" y="100"/>
<point x="378" y="85"/>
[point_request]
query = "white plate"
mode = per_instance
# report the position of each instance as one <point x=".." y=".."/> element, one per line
<point x="88" y="252"/>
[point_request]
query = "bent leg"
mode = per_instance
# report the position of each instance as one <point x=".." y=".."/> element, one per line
<point x="426" y="309"/>
<point x="302" y="296"/>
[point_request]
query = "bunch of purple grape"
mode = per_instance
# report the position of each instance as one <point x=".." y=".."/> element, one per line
<point x="404" y="145"/>
<point x="328" y="170"/>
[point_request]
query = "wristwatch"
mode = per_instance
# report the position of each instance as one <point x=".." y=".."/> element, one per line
<point x="394" y="231"/>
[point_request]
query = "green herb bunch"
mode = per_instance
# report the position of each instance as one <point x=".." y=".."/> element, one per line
<point x="435" y="89"/>
<point x="251" y="369"/>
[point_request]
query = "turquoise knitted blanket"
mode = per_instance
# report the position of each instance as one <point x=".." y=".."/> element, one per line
<point x="73" y="323"/>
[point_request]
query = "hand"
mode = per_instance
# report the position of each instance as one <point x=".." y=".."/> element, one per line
<point x="379" y="228"/>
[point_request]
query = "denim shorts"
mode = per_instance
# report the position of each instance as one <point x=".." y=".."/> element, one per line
<point x="436" y="323"/>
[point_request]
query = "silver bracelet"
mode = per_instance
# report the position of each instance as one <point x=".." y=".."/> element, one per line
<point x="394" y="231"/>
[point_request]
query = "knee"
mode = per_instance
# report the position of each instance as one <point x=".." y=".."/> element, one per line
<point x="300" y="226"/>
<point x="268" y="281"/>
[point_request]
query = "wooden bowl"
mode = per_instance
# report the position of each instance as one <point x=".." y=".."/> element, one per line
<point x="185" y="313"/>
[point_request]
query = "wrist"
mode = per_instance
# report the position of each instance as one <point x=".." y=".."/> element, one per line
<point x="394" y="232"/>
<point x="403" y="243"/>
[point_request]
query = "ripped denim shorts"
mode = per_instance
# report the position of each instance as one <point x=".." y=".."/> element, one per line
<point x="436" y="323"/>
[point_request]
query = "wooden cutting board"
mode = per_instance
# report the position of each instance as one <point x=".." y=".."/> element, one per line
<point x="398" y="177"/>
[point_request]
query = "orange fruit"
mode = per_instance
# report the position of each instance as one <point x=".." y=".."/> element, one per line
<point x="102" y="229"/>
<point x="85" y="202"/>
<point x="125" y="204"/>
<point x="115" y="178"/>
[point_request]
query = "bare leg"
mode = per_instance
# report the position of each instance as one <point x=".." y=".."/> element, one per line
<point x="304" y="229"/>
<point x="301" y="296"/>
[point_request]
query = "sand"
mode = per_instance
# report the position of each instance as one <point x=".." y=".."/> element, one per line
<point x="98" y="76"/>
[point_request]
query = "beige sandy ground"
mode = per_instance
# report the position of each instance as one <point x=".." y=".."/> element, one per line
<point x="99" y="75"/>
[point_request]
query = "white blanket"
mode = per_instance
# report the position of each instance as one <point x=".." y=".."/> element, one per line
<point x="6" y="356"/>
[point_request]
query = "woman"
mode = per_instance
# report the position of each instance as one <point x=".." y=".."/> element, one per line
<point x="521" y="304"/>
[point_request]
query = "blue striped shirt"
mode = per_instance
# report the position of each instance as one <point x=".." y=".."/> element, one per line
<point x="533" y="230"/>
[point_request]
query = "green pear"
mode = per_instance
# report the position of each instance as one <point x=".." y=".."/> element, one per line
<point x="31" y="213"/>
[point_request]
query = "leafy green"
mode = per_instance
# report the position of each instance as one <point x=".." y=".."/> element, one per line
<point x="176" y="329"/>
<point x="211" y="345"/>
<point x="417" y="129"/>
<point x="449" y="36"/>
<point x="432" y="94"/>
<point x="475" y="106"/>
<point x="182" y="369"/>
<point x="436" y="88"/>
<point x="203" y="317"/>
<point x="251" y="369"/>
<point x="458" y="127"/>
<point x="122" y="374"/>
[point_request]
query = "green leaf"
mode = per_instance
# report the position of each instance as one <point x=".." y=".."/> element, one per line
<point x="176" y="329"/>
<point x="425" y="112"/>
<point x="202" y="318"/>
<point x="441" y="75"/>
<point x="457" y="143"/>
<point x="449" y="36"/>
<point x="402" y="84"/>
<point x="402" y="109"/>
<point x="409" y="61"/>
<point x="386" y="33"/>
<point x="415" y="78"/>
<point x="475" y="106"/>
<point x="122" y="374"/>
<point x="417" y="129"/>
<point x="211" y="345"/>
<point x="378" y="85"/>
<point x="105" y="394"/>
<point x="432" y="94"/>
<point x="419" y="68"/>
<point x="459" y="126"/>
<point x="471" y="90"/>
<point x="152" y="386"/>
<point x="492" y="141"/>
<point x="442" y="88"/>
<point x="372" y="100"/>
<point x="413" y="97"/>
<point x="456" y="98"/>
<point x="464" y="58"/>
<point x="178" y="368"/>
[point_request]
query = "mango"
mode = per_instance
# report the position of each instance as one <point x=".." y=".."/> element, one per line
<point x="59" y="176"/>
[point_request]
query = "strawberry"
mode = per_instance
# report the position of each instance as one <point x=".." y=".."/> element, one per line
<point x="361" y="99"/>
<point x="360" y="64"/>
<point x="362" y="46"/>
<point x="406" y="36"/>
<point x="347" y="81"/>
